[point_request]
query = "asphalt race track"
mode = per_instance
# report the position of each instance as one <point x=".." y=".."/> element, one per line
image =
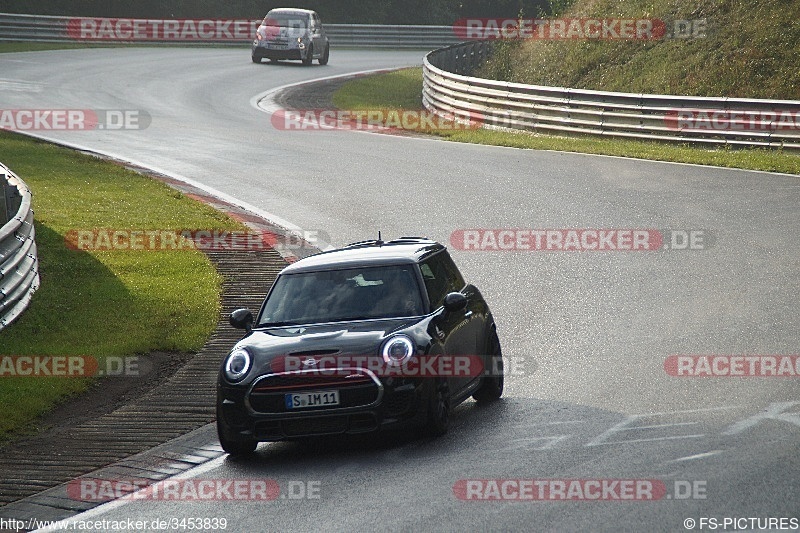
<point x="585" y="334"/>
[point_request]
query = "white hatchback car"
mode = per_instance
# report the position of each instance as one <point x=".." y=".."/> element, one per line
<point x="291" y="34"/>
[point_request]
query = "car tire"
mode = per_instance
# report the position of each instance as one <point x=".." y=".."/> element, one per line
<point x="309" y="56"/>
<point x="255" y="58"/>
<point x="438" y="410"/>
<point x="491" y="387"/>
<point x="325" y="56"/>
<point x="232" y="444"/>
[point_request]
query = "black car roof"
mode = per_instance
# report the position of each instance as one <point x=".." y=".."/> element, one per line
<point x="406" y="250"/>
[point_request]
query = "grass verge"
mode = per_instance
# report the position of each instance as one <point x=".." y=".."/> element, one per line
<point x="403" y="89"/>
<point x="101" y="304"/>
<point x="743" y="49"/>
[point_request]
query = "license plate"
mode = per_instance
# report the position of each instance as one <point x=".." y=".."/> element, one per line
<point x="312" y="399"/>
<point x="275" y="46"/>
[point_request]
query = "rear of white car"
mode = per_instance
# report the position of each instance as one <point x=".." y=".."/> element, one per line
<point x="295" y="34"/>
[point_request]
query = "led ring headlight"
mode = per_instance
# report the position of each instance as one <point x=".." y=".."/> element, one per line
<point x="237" y="365"/>
<point x="397" y="350"/>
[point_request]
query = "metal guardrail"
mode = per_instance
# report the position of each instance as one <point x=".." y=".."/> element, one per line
<point x="377" y="36"/>
<point x="448" y="89"/>
<point x="19" y="265"/>
<point x="42" y="28"/>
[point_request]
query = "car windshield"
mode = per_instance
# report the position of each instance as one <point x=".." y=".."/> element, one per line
<point x="341" y="295"/>
<point x="286" y="20"/>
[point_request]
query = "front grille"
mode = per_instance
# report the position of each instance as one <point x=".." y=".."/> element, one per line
<point x="398" y="402"/>
<point x="275" y="402"/>
<point x="315" y="426"/>
<point x="357" y="388"/>
<point x="317" y="380"/>
<point x="323" y="425"/>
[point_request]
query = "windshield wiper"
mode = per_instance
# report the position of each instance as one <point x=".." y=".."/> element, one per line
<point x="354" y="318"/>
<point x="309" y="321"/>
<point x="277" y="324"/>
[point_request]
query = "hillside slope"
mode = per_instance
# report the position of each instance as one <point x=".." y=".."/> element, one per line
<point x="751" y="50"/>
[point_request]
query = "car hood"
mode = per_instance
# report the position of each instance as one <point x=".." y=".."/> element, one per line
<point x="361" y="338"/>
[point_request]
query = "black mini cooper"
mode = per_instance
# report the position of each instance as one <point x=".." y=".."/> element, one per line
<point x="370" y="336"/>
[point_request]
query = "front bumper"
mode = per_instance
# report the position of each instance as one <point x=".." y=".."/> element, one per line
<point x="268" y="51"/>
<point x="258" y="410"/>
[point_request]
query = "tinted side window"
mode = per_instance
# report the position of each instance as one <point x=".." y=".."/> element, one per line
<point x="441" y="277"/>
<point x="454" y="278"/>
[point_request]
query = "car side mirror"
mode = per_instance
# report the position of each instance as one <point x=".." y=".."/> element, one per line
<point x="454" y="301"/>
<point x="242" y="319"/>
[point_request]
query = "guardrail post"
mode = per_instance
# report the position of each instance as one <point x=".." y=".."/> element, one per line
<point x="4" y="207"/>
<point x="12" y="199"/>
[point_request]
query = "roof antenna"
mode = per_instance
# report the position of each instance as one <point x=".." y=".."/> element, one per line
<point x="380" y="241"/>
